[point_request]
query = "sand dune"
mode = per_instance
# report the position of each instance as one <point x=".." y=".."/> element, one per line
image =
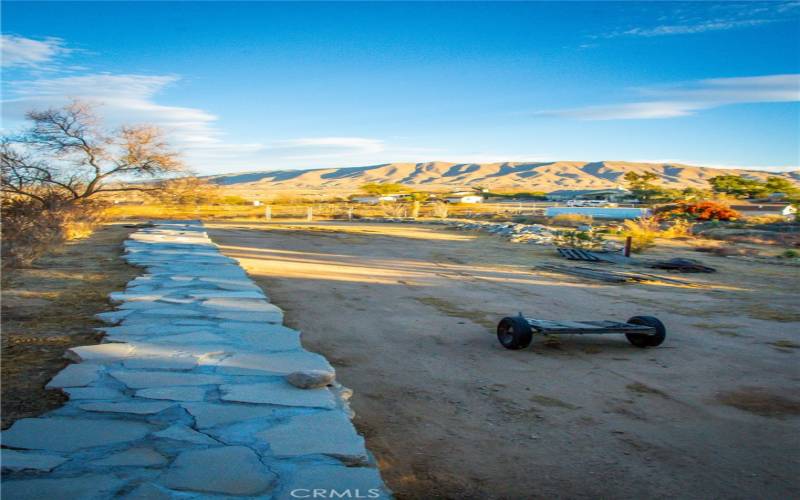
<point x="543" y="176"/>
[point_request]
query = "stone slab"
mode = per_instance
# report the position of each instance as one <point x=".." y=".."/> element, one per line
<point x="228" y="294"/>
<point x="209" y="415"/>
<point x="136" y="408"/>
<point x="75" y="375"/>
<point x="333" y="435"/>
<point x="266" y="317"/>
<point x="104" y="393"/>
<point x="178" y="363"/>
<point x="77" y="488"/>
<point x="100" y="353"/>
<point x="22" y="460"/>
<point x="70" y="434"/>
<point x="278" y="393"/>
<point x="180" y="432"/>
<point x="149" y="491"/>
<point x="192" y="338"/>
<point x="142" y="457"/>
<point x="273" y="363"/>
<point x="143" y="380"/>
<point x="229" y="470"/>
<point x="180" y="393"/>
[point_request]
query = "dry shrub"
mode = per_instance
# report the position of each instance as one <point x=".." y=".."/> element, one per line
<point x="571" y="220"/>
<point x="391" y="209"/>
<point x="440" y="209"/>
<point x="766" y="219"/>
<point x="29" y="230"/>
<point x="678" y="229"/>
<point x="643" y="233"/>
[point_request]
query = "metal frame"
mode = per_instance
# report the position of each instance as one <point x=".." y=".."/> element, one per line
<point x="548" y="327"/>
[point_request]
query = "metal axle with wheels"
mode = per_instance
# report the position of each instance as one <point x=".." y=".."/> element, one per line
<point x="516" y="332"/>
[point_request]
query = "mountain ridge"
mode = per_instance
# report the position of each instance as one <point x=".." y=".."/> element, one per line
<point x="521" y="176"/>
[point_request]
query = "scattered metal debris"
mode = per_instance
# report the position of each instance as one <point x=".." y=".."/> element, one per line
<point x="683" y="265"/>
<point x="580" y="254"/>
<point x="614" y="276"/>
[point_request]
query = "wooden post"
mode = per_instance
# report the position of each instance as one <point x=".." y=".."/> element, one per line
<point x="627" y="251"/>
<point x="268" y="212"/>
<point x="310" y="214"/>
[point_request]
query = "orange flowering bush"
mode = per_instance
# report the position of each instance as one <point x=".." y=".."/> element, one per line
<point x="700" y="211"/>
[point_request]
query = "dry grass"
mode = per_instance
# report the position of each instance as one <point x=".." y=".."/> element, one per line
<point x="49" y="308"/>
<point x="571" y="220"/>
<point x="643" y="233"/>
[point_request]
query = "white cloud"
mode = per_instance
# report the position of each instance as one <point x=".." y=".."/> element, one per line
<point x="130" y="99"/>
<point x="119" y="99"/>
<point x="702" y="17"/>
<point x="19" y="51"/>
<point x="670" y="101"/>
<point x="326" y="147"/>
<point x="699" y="27"/>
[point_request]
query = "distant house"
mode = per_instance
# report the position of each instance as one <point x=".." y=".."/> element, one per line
<point x="610" y="194"/>
<point x="374" y="200"/>
<point x="464" y="198"/>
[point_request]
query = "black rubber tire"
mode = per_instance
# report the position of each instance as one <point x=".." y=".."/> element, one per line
<point x="514" y="333"/>
<point x="641" y="340"/>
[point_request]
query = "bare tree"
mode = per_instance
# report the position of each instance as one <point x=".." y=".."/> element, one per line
<point x="66" y="156"/>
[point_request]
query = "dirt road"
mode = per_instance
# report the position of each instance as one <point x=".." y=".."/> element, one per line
<point x="406" y="314"/>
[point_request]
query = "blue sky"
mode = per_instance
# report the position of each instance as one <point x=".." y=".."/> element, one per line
<point x="251" y="86"/>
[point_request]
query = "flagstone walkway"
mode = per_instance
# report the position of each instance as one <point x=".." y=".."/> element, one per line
<point x="188" y="397"/>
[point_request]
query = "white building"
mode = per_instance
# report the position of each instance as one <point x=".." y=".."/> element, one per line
<point x="611" y="194"/>
<point x="467" y="198"/>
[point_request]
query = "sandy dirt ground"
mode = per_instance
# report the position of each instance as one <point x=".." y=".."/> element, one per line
<point x="406" y="313"/>
<point x="50" y="307"/>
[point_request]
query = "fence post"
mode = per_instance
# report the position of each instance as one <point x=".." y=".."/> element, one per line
<point x="268" y="212"/>
<point x="627" y="251"/>
<point x="310" y="214"/>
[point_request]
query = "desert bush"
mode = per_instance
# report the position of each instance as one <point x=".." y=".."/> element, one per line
<point x="28" y="230"/>
<point x="699" y="211"/>
<point x="440" y="209"/>
<point x="643" y="233"/>
<point x="391" y="209"/>
<point x="587" y="240"/>
<point x="679" y="229"/>
<point x="790" y="254"/>
<point x="571" y="220"/>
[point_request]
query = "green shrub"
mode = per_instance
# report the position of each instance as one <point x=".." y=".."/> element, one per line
<point x="587" y="240"/>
